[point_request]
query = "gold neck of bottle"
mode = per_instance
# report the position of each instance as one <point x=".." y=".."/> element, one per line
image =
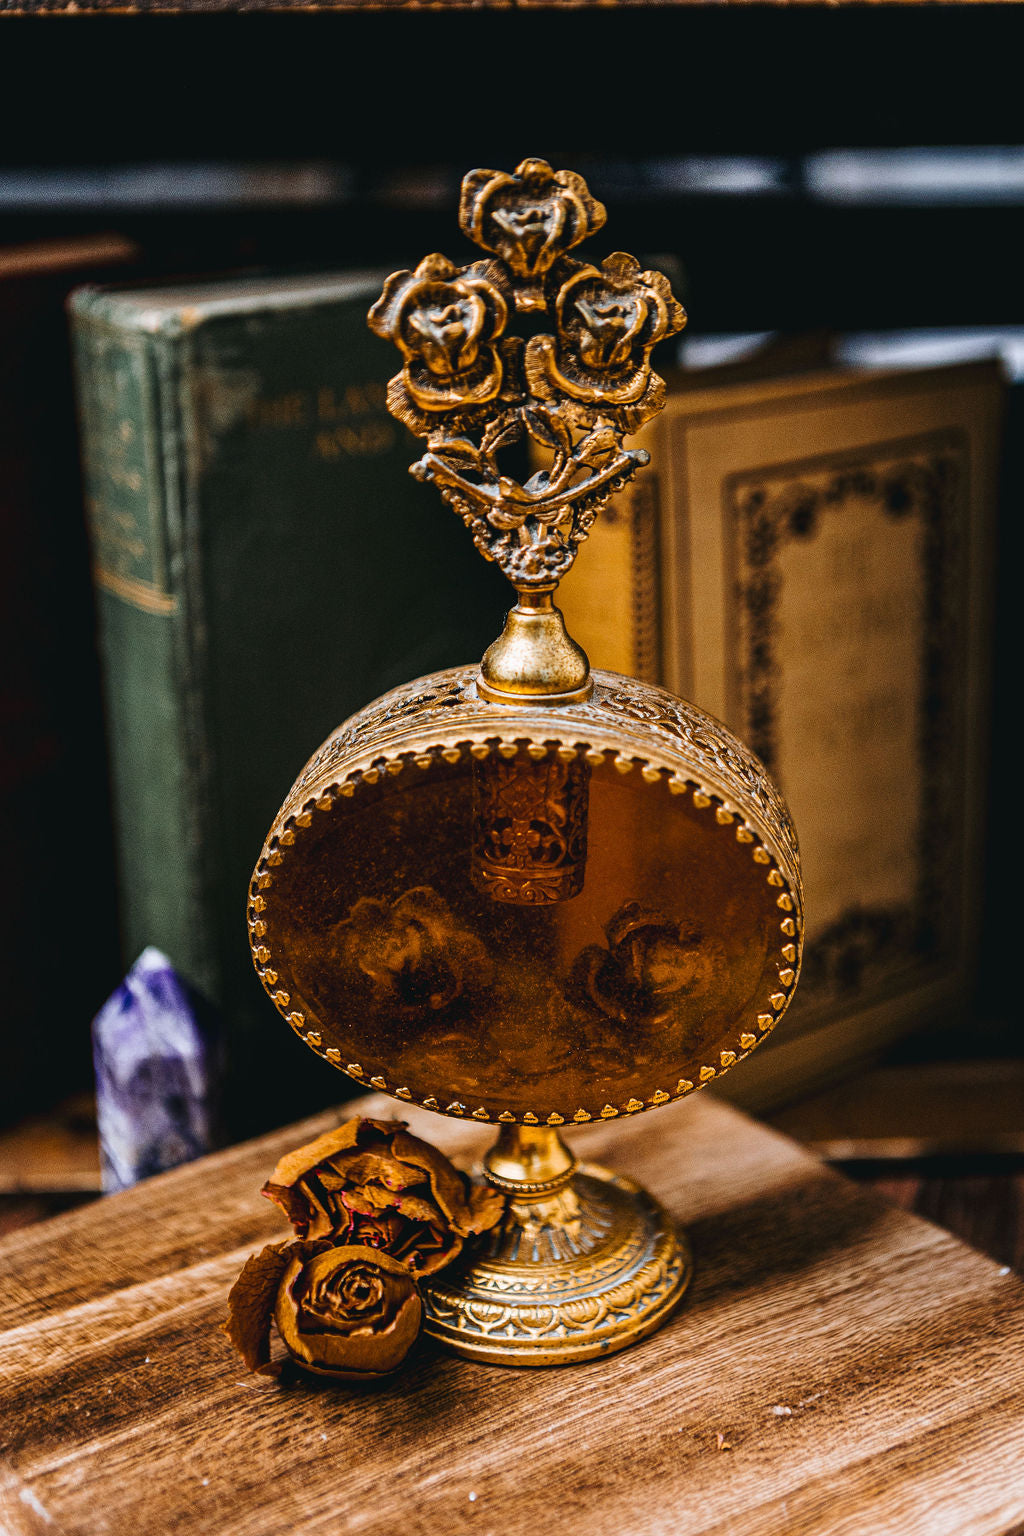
<point x="535" y="660"/>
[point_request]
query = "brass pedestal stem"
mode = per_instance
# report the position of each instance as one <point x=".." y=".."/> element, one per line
<point x="584" y="1263"/>
<point x="529" y="1162"/>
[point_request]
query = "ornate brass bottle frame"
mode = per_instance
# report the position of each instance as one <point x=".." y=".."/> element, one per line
<point x="585" y="1262"/>
<point x="473" y="388"/>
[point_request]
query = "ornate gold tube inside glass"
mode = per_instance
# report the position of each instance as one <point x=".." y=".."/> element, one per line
<point x="526" y="893"/>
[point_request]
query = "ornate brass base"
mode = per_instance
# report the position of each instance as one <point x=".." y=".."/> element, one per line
<point x="585" y="1264"/>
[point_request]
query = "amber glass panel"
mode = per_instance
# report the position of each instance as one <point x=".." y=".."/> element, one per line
<point x="404" y="962"/>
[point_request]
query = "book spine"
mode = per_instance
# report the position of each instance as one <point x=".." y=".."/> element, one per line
<point x="645" y="571"/>
<point x="131" y="431"/>
<point x="611" y="599"/>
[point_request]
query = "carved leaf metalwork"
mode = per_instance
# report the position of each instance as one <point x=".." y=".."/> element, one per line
<point x="576" y="389"/>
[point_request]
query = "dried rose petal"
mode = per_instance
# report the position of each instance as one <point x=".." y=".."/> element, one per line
<point x="251" y="1304"/>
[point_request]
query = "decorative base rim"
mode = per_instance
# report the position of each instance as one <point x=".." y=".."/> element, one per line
<point x="586" y="1273"/>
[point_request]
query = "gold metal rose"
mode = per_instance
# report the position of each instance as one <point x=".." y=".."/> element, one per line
<point x="444" y="320"/>
<point x="609" y="319"/>
<point x="473" y="390"/>
<point x="529" y="219"/>
<point x="375" y="1209"/>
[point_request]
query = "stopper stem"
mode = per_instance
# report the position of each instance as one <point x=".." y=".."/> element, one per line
<point x="535" y="660"/>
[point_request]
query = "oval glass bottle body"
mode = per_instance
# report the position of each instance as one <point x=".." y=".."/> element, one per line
<point x="539" y="915"/>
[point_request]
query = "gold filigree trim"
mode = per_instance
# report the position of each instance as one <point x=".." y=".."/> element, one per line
<point x="620" y="707"/>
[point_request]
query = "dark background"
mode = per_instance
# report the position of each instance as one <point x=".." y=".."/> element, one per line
<point x="389" y="92"/>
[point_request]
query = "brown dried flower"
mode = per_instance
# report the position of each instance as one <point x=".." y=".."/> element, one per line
<point x="348" y="1312"/>
<point x="370" y="1183"/>
<point x="374" y="1209"/>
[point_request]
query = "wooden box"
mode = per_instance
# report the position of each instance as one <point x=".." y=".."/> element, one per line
<point x="837" y="1367"/>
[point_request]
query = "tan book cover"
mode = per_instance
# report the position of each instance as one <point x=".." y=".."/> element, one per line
<point x="824" y="545"/>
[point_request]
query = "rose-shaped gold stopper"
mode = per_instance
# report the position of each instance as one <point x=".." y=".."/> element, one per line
<point x="471" y="388"/>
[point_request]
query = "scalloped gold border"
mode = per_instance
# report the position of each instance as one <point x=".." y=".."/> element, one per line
<point x="750" y="1037"/>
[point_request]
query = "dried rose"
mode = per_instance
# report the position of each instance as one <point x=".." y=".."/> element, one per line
<point x="370" y="1183"/>
<point x="351" y="1312"/>
<point x="251" y="1305"/>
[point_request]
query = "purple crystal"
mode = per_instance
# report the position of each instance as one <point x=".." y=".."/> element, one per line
<point x="157" y="1074"/>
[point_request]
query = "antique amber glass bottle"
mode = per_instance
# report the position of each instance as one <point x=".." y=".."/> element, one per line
<point x="522" y="892"/>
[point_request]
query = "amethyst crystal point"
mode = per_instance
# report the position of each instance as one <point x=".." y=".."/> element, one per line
<point x="157" y="1074"/>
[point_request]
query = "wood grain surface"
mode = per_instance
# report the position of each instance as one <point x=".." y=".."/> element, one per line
<point x="838" y="1367"/>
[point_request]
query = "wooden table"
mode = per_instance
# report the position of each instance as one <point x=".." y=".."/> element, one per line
<point x="839" y="1367"/>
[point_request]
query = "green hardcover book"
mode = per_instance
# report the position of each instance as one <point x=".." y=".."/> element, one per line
<point x="264" y="565"/>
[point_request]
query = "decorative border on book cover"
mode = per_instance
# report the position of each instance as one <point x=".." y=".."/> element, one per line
<point x="638" y="508"/>
<point x="867" y="949"/>
<point x="644" y="512"/>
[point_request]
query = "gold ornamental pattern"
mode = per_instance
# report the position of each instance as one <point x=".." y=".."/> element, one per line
<point x="574" y="384"/>
<point x="530" y="827"/>
<point x="638" y="721"/>
<point x="441" y="722"/>
<point x="569" y="1278"/>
